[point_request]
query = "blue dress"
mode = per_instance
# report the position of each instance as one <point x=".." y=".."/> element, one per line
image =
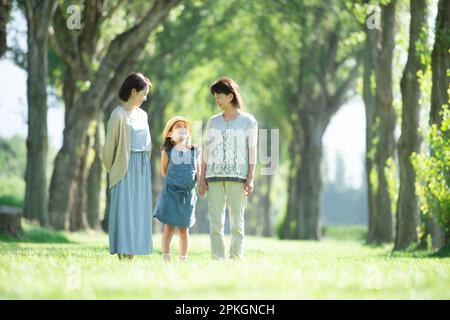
<point x="130" y="212"/>
<point x="176" y="203"/>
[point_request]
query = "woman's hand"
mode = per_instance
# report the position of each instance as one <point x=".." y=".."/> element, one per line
<point x="248" y="186"/>
<point x="203" y="186"/>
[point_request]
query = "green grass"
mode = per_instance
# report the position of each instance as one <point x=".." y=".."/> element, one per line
<point x="50" y="265"/>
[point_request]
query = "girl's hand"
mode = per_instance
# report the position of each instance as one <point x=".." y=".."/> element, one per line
<point x="248" y="187"/>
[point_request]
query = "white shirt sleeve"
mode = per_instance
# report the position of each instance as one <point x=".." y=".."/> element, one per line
<point x="252" y="134"/>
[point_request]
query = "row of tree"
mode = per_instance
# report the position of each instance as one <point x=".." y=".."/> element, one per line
<point x="297" y="61"/>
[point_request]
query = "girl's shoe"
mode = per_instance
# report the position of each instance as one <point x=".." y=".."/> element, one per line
<point x="183" y="258"/>
<point x="166" y="257"/>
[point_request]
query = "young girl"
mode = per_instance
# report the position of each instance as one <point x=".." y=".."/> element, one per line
<point x="228" y="166"/>
<point x="180" y="168"/>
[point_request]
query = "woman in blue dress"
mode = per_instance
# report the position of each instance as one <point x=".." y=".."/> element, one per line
<point x="126" y="156"/>
<point x="180" y="167"/>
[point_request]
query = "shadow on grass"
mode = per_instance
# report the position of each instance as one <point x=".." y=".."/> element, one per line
<point x="413" y="251"/>
<point x="421" y="254"/>
<point x="36" y="234"/>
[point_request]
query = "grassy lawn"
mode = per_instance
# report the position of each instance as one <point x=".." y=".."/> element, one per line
<point x="49" y="265"/>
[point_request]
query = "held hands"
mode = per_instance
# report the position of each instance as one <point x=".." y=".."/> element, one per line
<point x="203" y="186"/>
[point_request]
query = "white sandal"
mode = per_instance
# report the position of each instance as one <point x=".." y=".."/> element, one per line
<point x="183" y="258"/>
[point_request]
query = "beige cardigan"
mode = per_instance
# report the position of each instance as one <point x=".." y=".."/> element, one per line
<point x="117" y="148"/>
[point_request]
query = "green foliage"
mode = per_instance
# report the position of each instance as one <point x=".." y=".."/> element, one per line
<point x="12" y="191"/>
<point x="392" y="180"/>
<point x="12" y="171"/>
<point x="13" y="156"/>
<point x="355" y="233"/>
<point x="373" y="178"/>
<point x="433" y="173"/>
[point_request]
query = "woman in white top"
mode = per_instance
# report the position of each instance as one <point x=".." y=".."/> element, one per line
<point x="228" y="166"/>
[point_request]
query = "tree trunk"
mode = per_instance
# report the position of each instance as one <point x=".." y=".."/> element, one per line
<point x="370" y="57"/>
<point x="5" y="8"/>
<point x="11" y="221"/>
<point x="78" y="215"/>
<point x="67" y="163"/>
<point x="313" y="101"/>
<point x="309" y="180"/>
<point x="38" y="14"/>
<point x="155" y="114"/>
<point x="113" y="67"/>
<point x="266" y="221"/>
<point x="440" y="63"/>
<point x="95" y="178"/>
<point x="408" y="215"/>
<point x="288" y="226"/>
<point x="382" y="222"/>
<point x="105" y="221"/>
<point x="69" y="92"/>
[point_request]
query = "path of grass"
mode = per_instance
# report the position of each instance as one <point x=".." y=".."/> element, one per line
<point x="79" y="266"/>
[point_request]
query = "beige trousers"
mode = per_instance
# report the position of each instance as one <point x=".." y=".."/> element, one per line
<point x="221" y="194"/>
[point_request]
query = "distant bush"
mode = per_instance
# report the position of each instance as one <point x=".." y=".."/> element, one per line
<point x="13" y="156"/>
<point x="358" y="233"/>
<point x="35" y="233"/>
<point x="12" y="191"/>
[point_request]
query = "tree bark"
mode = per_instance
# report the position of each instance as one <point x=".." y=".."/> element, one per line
<point x="382" y="223"/>
<point x="440" y="64"/>
<point x="309" y="179"/>
<point x="5" y="9"/>
<point x="288" y="226"/>
<point x="155" y="114"/>
<point x="302" y="220"/>
<point x="10" y="221"/>
<point x="78" y="214"/>
<point x="38" y="15"/>
<point x="408" y="215"/>
<point x="267" y="221"/>
<point x="105" y="221"/>
<point x="114" y="66"/>
<point x="94" y="182"/>
<point x="370" y="58"/>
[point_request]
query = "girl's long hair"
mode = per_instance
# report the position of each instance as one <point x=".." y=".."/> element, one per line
<point x="168" y="145"/>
